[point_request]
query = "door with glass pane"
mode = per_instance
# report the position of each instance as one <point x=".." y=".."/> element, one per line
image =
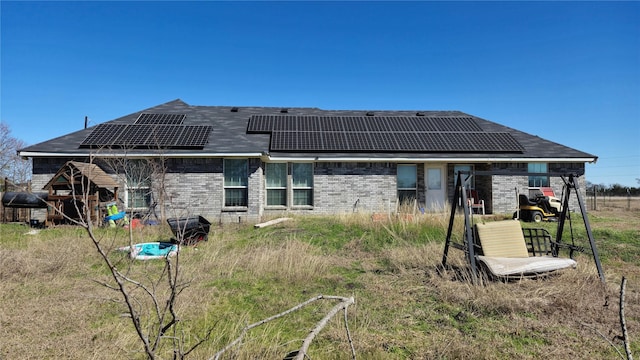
<point x="435" y="185"/>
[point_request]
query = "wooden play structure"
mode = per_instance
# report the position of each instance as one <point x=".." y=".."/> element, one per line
<point x="75" y="183"/>
<point x="504" y="250"/>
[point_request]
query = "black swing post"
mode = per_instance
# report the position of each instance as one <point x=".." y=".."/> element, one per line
<point x="461" y="193"/>
<point x="571" y="184"/>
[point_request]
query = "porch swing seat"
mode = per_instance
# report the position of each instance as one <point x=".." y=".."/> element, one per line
<point x="505" y="253"/>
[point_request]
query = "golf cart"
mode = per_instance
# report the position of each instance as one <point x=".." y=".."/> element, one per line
<point x="541" y="204"/>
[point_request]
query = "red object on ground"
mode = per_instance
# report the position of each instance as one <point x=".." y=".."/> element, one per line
<point x="136" y="223"/>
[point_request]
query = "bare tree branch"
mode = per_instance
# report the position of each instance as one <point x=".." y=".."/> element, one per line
<point x="623" y="322"/>
<point x="346" y="327"/>
<point x="344" y="304"/>
<point x="12" y="166"/>
<point x="307" y="341"/>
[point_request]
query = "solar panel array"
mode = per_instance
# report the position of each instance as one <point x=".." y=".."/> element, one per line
<point x="394" y="141"/>
<point x="160" y="119"/>
<point x="268" y="123"/>
<point x="380" y="134"/>
<point x="147" y="136"/>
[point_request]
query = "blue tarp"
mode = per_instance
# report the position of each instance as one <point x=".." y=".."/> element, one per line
<point x="156" y="249"/>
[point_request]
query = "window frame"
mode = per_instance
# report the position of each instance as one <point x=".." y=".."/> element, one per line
<point x="269" y="187"/>
<point x="233" y="188"/>
<point x="538" y="167"/>
<point x="307" y="188"/>
<point x="138" y="180"/>
<point x="406" y="190"/>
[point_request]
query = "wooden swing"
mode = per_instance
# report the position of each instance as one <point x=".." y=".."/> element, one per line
<point x="504" y="249"/>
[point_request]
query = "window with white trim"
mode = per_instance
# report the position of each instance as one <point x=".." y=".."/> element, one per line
<point x="302" y="184"/>
<point x="138" y="174"/>
<point x="236" y="182"/>
<point x="276" y="184"/>
<point x="407" y="180"/>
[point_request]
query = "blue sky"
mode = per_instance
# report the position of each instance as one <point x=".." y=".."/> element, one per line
<point x="566" y="71"/>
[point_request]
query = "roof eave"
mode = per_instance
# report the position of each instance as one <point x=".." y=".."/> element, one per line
<point x="272" y="157"/>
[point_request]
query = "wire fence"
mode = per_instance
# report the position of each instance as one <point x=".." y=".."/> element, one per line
<point x="597" y="201"/>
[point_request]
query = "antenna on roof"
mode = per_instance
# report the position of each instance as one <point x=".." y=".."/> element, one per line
<point x="86" y="121"/>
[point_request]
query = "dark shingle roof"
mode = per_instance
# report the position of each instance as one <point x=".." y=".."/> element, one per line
<point x="327" y="134"/>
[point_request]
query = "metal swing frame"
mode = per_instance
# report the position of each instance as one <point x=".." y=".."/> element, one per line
<point x="460" y="199"/>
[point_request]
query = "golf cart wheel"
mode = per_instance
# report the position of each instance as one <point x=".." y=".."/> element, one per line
<point x="536" y="216"/>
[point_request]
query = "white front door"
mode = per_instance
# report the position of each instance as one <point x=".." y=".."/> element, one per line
<point x="436" y="186"/>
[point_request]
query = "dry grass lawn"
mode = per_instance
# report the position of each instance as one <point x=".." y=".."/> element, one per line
<point x="51" y="305"/>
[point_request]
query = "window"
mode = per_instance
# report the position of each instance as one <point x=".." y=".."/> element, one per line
<point x="537" y="181"/>
<point x="138" y="198"/>
<point x="236" y="182"/>
<point x="407" y="183"/>
<point x="138" y="183"/>
<point x="469" y="168"/>
<point x="302" y="180"/>
<point x="276" y="184"/>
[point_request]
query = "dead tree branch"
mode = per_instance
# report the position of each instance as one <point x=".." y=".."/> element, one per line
<point x="623" y="322"/>
<point x="346" y="327"/>
<point x="307" y="341"/>
<point x="344" y="304"/>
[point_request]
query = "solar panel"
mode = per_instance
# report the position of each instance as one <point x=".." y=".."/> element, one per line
<point x="147" y="136"/>
<point x="309" y="123"/>
<point x="268" y="123"/>
<point x="408" y="141"/>
<point x="164" y="135"/>
<point x="358" y="123"/>
<point x="134" y="135"/>
<point x="379" y="124"/>
<point x="481" y="141"/>
<point x="358" y="141"/>
<point x="398" y="141"/>
<point x="283" y="140"/>
<point x="448" y="123"/>
<point x="193" y="136"/>
<point x="335" y="140"/>
<point x="382" y="140"/>
<point x="103" y="135"/>
<point x="160" y="119"/>
<point x="333" y="123"/>
<point x="260" y="124"/>
<point x="433" y="141"/>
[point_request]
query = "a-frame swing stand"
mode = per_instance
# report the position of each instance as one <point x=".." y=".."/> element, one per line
<point x="471" y="247"/>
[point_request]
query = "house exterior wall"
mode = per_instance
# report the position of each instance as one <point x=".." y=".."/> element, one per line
<point x="354" y="187"/>
<point x="195" y="186"/>
<point x="503" y="192"/>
